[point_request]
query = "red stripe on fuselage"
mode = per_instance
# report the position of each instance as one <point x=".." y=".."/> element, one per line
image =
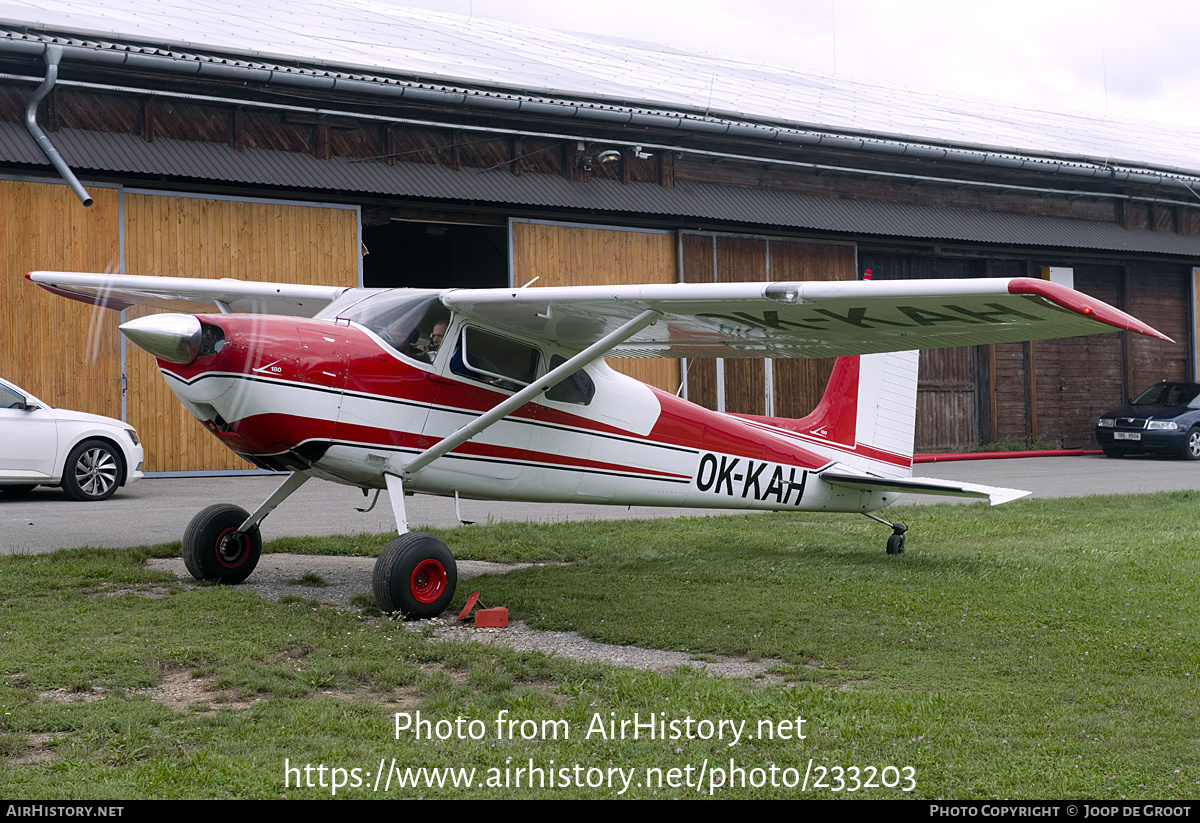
<point x="336" y="356"/>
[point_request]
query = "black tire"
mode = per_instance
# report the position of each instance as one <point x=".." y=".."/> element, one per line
<point x="415" y="575"/>
<point x="895" y="544"/>
<point x="212" y="552"/>
<point x="1109" y="451"/>
<point x="93" y="471"/>
<point x="1191" y="448"/>
<point x="18" y="490"/>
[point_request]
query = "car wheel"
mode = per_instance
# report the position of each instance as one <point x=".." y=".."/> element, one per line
<point x="415" y="575"/>
<point x="213" y="550"/>
<point x="92" y="472"/>
<point x="1191" y="449"/>
<point x="1109" y="451"/>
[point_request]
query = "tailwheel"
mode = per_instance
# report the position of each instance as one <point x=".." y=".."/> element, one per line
<point x="895" y="543"/>
<point x="415" y="575"/>
<point x="214" y="549"/>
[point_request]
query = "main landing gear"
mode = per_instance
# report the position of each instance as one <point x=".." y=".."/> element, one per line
<point x="895" y="543"/>
<point x="415" y="574"/>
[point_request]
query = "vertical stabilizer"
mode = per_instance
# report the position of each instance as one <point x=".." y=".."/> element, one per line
<point x="867" y="415"/>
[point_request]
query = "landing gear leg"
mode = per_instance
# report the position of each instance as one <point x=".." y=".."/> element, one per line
<point x="222" y="542"/>
<point x="895" y="543"/>
<point x="415" y="573"/>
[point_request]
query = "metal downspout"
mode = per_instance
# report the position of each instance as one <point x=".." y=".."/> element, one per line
<point x="53" y="55"/>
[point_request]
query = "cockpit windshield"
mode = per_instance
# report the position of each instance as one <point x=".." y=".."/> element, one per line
<point x="411" y="321"/>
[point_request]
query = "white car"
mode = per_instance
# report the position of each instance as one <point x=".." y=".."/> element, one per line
<point x="88" y="455"/>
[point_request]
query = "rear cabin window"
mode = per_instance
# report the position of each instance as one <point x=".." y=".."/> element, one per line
<point x="578" y="388"/>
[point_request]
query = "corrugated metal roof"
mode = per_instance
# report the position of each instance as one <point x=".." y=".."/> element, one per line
<point x="382" y="40"/>
<point x="105" y="152"/>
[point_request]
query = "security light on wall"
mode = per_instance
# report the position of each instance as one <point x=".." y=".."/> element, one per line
<point x="607" y="158"/>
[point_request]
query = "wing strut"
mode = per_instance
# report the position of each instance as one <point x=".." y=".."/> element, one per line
<point x="549" y="380"/>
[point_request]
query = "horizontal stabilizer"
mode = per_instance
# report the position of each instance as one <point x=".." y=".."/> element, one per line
<point x="923" y="485"/>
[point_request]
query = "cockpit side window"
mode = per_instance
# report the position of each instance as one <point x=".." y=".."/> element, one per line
<point x="496" y="360"/>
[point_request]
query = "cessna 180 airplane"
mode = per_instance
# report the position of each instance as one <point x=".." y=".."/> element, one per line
<point x="503" y="394"/>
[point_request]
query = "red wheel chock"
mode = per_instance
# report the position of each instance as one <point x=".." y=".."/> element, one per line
<point x="485" y="618"/>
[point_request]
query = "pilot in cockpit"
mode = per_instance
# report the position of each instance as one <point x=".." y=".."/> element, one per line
<point x="436" y="336"/>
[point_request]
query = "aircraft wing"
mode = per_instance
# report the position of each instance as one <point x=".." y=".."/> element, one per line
<point x="187" y="294"/>
<point x="923" y="485"/>
<point x="800" y="319"/>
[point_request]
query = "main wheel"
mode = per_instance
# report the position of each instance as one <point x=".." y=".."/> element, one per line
<point x="1191" y="449"/>
<point x="213" y="550"/>
<point x="415" y="575"/>
<point x="92" y="472"/>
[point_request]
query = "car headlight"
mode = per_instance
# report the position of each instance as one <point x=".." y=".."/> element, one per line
<point x="1106" y="423"/>
<point x="133" y="436"/>
<point x="1162" y="425"/>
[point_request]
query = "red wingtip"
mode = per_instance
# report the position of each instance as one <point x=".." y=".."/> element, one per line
<point x="1073" y="301"/>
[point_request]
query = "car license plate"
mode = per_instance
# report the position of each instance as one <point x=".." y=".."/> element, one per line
<point x="1127" y="435"/>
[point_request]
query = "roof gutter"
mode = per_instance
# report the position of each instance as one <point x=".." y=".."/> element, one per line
<point x="114" y="56"/>
<point x="52" y="55"/>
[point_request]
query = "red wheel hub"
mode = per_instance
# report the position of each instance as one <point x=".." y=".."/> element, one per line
<point x="232" y="548"/>
<point x="428" y="581"/>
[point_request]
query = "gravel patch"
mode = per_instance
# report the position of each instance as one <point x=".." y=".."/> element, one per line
<point x="576" y="647"/>
<point x="349" y="577"/>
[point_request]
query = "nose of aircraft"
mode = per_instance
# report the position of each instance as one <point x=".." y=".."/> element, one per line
<point x="171" y="337"/>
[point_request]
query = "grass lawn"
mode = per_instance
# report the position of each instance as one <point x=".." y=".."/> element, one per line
<point x="1042" y="649"/>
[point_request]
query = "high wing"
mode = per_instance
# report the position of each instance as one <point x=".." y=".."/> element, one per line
<point x="797" y="319"/>
<point x="802" y="319"/>
<point x="187" y="294"/>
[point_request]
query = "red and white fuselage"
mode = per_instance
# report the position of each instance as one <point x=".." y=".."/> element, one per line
<point x="333" y="400"/>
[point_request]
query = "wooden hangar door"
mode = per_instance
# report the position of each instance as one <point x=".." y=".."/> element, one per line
<point x="574" y="255"/>
<point x="66" y="353"/>
<point x="777" y="388"/>
<point x="182" y="236"/>
<point x="1052" y="391"/>
<point x="952" y="401"/>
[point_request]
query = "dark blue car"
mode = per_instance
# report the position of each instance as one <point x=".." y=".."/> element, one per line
<point x="1164" y="419"/>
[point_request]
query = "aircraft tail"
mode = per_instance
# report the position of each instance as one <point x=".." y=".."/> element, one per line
<point x="867" y="415"/>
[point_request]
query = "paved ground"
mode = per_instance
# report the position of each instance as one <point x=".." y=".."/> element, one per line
<point x="158" y="510"/>
<point x="1068" y="476"/>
